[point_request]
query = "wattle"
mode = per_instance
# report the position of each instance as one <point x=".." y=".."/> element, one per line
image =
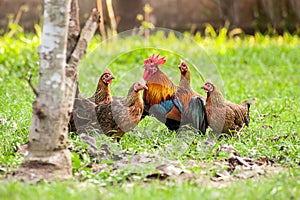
<point x="146" y="75"/>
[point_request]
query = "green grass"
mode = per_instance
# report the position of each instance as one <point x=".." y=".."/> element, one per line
<point x="262" y="67"/>
<point x="284" y="186"/>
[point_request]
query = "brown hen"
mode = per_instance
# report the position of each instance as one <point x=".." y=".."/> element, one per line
<point x="122" y="114"/>
<point x="224" y="116"/>
<point x="185" y="80"/>
<point x="102" y="93"/>
<point x="83" y="117"/>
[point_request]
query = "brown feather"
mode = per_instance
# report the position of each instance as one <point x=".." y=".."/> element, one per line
<point x="166" y="101"/>
<point x="185" y="80"/>
<point x="121" y="115"/>
<point x="224" y="116"/>
<point x="102" y="93"/>
<point x="160" y="88"/>
<point x="83" y="116"/>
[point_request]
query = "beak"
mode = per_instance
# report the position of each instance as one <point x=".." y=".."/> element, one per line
<point x="112" y="77"/>
<point x="144" y="67"/>
<point x="145" y="87"/>
<point x="202" y="87"/>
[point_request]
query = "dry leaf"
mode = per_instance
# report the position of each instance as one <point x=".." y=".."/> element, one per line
<point x="265" y="126"/>
<point x="160" y="176"/>
<point x="223" y="173"/>
<point x="23" y="149"/>
<point x="170" y="170"/>
<point x="236" y="160"/>
<point x="228" y="149"/>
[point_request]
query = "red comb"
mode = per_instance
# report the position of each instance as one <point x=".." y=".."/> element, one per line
<point x="107" y="71"/>
<point x="155" y="60"/>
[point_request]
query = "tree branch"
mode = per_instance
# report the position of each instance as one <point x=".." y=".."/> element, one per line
<point x="74" y="28"/>
<point x="112" y="18"/>
<point x="82" y="44"/>
<point x="101" y="25"/>
<point x="31" y="86"/>
<point x="77" y="55"/>
<point x="85" y="37"/>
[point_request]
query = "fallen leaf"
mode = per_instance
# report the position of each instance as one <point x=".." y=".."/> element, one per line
<point x="264" y="159"/>
<point x="245" y="174"/>
<point x="170" y="170"/>
<point x="248" y="172"/>
<point x="223" y="173"/>
<point x="23" y="149"/>
<point x="263" y="115"/>
<point x="236" y="160"/>
<point x="160" y="176"/>
<point x="265" y="126"/>
<point x="228" y="149"/>
<point x="282" y="148"/>
<point x="276" y="137"/>
<point x="142" y="158"/>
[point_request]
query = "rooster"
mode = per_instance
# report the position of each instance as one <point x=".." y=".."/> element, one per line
<point x="122" y="114"/>
<point x="169" y="103"/>
<point x="224" y="116"/>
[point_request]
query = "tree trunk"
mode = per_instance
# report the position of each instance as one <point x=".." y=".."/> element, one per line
<point x="101" y="25"/>
<point x="48" y="155"/>
<point x="112" y="18"/>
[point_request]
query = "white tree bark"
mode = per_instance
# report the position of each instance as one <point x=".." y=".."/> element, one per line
<point x="48" y="154"/>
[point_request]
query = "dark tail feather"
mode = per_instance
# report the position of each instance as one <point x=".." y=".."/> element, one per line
<point x="159" y="112"/>
<point x="195" y="114"/>
<point x="145" y="111"/>
<point x="247" y="104"/>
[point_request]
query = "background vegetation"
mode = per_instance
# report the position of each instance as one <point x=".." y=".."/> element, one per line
<point x="258" y="66"/>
